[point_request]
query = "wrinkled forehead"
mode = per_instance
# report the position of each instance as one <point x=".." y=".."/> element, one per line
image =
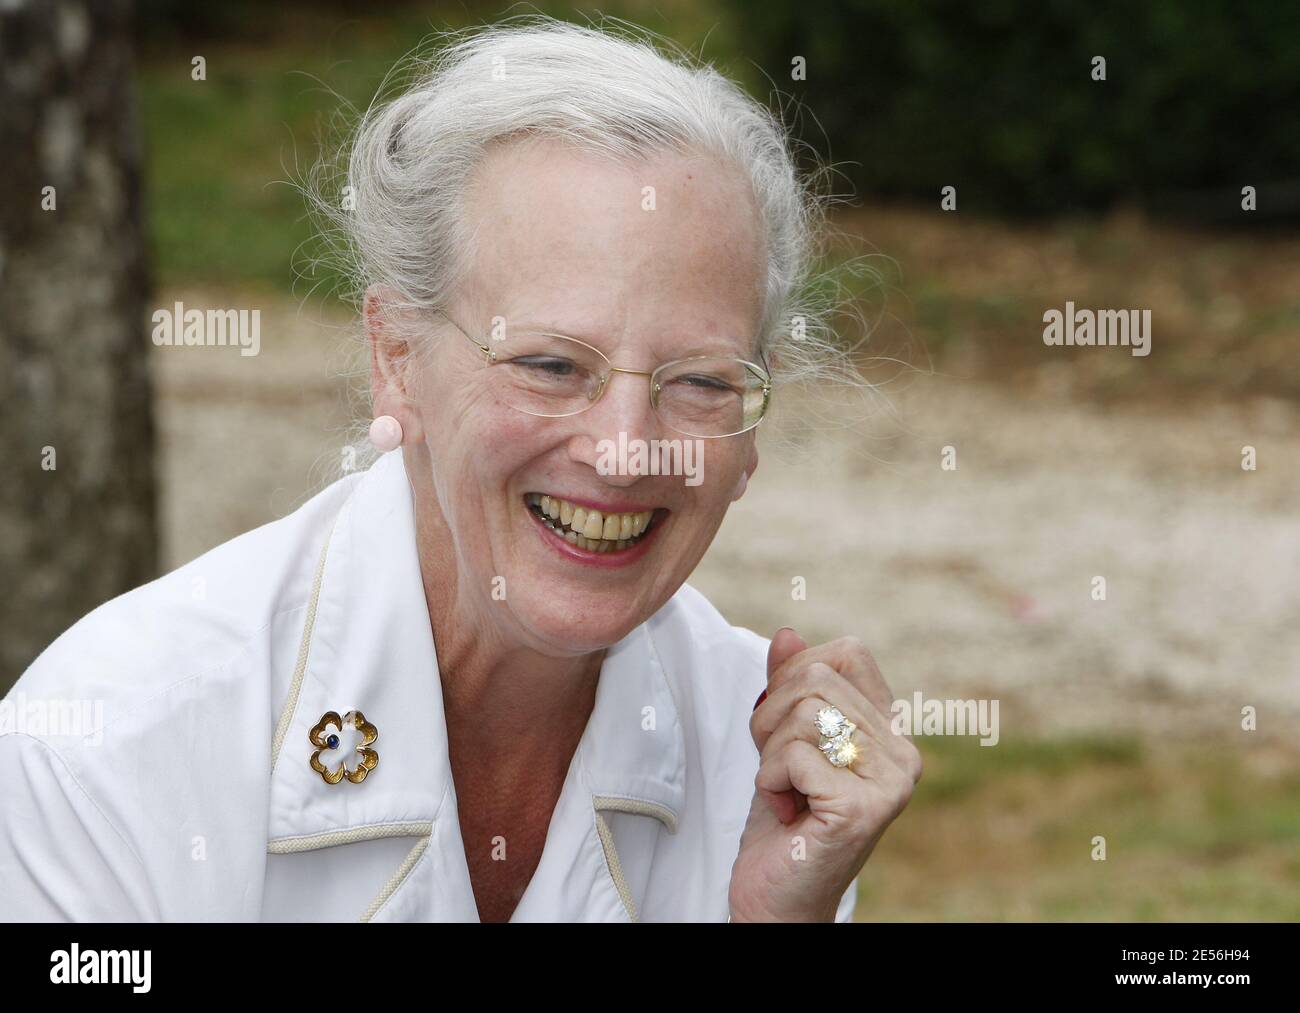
<point x="674" y="241"/>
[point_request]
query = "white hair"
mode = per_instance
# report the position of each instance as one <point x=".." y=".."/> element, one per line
<point x="614" y="90"/>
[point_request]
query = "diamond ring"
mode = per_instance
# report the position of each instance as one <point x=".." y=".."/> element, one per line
<point x="835" y="739"/>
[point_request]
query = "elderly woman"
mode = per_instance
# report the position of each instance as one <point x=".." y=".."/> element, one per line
<point x="470" y="682"/>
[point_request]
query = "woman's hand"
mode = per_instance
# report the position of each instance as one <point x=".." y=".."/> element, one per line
<point x="812" y="825"/>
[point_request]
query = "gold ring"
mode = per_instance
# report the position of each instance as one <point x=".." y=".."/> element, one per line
<point x="835" y="736"/>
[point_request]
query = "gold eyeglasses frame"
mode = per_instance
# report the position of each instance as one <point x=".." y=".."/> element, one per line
<point x="761" y="372"/>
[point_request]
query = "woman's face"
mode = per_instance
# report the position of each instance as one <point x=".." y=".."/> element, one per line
<point x="574" y="245"/>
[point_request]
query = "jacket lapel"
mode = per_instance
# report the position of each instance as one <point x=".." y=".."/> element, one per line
<point x="368" y="647"/>
<point x="631" y="759"/>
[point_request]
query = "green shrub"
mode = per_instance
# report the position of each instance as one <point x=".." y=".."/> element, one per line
<point x="997" y="99"/>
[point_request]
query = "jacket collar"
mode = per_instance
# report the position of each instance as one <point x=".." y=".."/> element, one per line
<point x="367" y="645"/>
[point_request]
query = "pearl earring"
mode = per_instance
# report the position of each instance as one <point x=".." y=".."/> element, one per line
<point x="386" y="434"/>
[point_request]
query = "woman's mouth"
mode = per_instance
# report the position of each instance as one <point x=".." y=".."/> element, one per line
<point x="592" y="530"/>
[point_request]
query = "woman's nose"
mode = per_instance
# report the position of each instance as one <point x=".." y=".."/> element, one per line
<point x="624" y="407"/>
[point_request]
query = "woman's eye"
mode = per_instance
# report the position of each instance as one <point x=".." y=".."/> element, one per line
<point x="546" y="365"/>
<point x="703" y="382"/>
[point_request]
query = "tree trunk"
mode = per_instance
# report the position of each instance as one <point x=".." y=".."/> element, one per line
<point x="77" y="491"/>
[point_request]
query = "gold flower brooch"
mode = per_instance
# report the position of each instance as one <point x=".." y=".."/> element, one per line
<point x="334" y="760"/>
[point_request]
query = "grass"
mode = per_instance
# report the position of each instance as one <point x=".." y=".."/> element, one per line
<point x="1201" y="832"/>
<point x="222" y="153"/>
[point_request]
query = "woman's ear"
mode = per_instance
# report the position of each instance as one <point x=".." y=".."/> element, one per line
<point x="389" y="354"/>
<point x="750" y="467"/>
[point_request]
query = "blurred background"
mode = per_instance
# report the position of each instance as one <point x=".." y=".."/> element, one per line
<point x="1120" y="718"/>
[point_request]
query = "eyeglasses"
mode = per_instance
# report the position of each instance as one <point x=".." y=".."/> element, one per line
<point x="555" y="376"/>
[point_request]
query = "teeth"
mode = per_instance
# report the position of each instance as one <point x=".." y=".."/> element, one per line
<point x="590" y="529"/>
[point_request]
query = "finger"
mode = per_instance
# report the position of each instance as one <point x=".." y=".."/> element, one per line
<point x="785" y="644"/>
<point x="880" y="755"/>
<point x="816" y="680"/>
<point x="800" y="726"/>
<point x="799" y="767"/>
<point x="848" y="656"/>
<point x="794" y="708"/>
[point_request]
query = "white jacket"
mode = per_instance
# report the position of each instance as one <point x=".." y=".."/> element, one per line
<point x="188" y="795"/>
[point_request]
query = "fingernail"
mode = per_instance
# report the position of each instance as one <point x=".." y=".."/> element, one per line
<point x="761" y="697"/>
